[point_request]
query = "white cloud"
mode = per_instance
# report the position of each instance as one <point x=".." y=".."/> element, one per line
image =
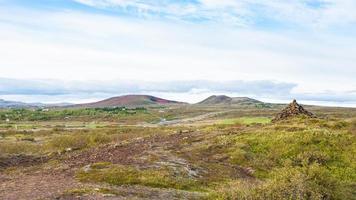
<point x="58" y="87"/>
<point x="315" y="13"/>
<point x="74" y="45"/>
<point x="77" y="45"/>
<point x="55" y="91"/>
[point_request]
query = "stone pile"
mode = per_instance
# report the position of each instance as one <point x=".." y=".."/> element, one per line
<point x="293" y="109"/>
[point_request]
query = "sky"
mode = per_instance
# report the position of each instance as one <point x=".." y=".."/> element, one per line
<point x="85" y="50"/>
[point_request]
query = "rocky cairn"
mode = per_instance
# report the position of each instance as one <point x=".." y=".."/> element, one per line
<point x="293" y="109"/>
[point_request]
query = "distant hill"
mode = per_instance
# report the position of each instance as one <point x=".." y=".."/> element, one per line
<point x="226" y="100"/>
<point x="129" y="101"/>
<point x="19" y="104"/>
<point x="13" y="104"/>
<point x="220" y="99"/>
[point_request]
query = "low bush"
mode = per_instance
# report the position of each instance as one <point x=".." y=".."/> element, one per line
<point x="353" y="126"/>
<point x="19" y="147"/>
<point x="78" y="140"/>
<point x="308" y="161"/>
<point x="295" y="183"/>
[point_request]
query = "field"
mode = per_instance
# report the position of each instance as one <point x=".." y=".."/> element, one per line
<point x="177" y="152"/>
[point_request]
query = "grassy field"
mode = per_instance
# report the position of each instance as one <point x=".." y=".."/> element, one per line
<point x="230" y="156"/>
<point x="246" y="120"/>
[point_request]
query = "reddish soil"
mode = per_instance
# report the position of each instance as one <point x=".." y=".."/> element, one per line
<point x="52" y="181"/>
<point x="125" y="154"/>
<point x="38" y="185"/>
<point x="115" y="154"/>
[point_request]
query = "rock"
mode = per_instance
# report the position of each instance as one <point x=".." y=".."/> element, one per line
<point x="87" y="168"/>
<point x="293" y="109"/>
<point x="68" y="149"/>
<point x="117" y="145"/>
<point x="192" y="173"/>
<point x="109" y="195"/>
<point x="249" y="171"/>
<point x="185" y="131"/>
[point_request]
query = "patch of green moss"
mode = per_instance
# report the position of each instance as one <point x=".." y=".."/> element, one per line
<point x="125" y="175"/>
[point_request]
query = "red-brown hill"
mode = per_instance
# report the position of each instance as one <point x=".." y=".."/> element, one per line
<point x="129" y="101"/>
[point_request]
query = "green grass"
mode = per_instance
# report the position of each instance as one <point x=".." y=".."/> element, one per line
<point x="126" y="175"/>
<point x="59" y="139"/>
<point x="312" y="183"/>
<point x="78" y="140"/>
<point x="245" y="120"/>
<point x="94" y="125"/>
<point x="88" y="191"/>
<point x="295" y="159"/>
<point x="122" y="114"/>
<point x="26" y="144"/>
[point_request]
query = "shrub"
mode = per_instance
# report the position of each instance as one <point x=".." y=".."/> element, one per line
<point x="239" y="155"/>
<point x="340" y="125"/>
<point x="20" y="137"/>
<point x="309" y="183"/>
<point x="309" y="157"/>
<point x="19" y="147"/>
<point x="294" y="160"/>
<point x="78" y="140"/>
<point x="353" y="127"/>
<point x="295" y="183"/>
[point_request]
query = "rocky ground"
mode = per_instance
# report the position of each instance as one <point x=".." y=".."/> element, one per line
<point x="54" y="177"/>
<point x="210" y="156"/>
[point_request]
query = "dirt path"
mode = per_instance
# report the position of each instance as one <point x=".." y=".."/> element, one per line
<point x="192" y="119"/>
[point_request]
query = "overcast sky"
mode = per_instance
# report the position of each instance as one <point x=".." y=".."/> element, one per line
<point x="84" y="50"/>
